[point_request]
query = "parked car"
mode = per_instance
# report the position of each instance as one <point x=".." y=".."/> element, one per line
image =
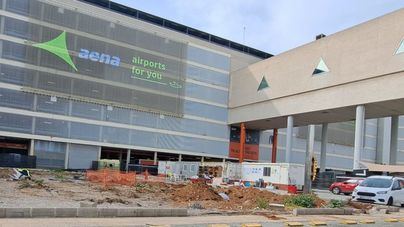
<point x="385" y="190"/>
<point x="345" y="187"/>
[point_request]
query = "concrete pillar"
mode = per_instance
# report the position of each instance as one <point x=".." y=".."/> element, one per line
<point x="224" y="161"/>
<point x="127" y="160"/>
<point x="242" y="143"/>
<point x="383" y="140"/>
<point x="31" y="150"/>
<point x="289" y="139"/>
<point x="180" y="157"/>
<point x="309" y="156"/>
<point x="67" y="155"/>
<point x="359" y="134"/>
<point x="323" y="152"/>
<point x="202" y="159"/>
<point x="99" y="153"/>
<point x="394" y="140"/>
<point x="155" y="158"/>
<point x="274" y="145"/>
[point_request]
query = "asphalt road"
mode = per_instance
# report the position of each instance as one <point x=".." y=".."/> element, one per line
<point x="327" y="195"/>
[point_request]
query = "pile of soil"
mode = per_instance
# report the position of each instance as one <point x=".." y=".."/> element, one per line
<point x="5" y="173"/>
<point x="246" y="198"/>
<point x="240" y="199"/>
<point x="195" y="192"/>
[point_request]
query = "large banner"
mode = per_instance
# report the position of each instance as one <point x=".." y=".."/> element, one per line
<point x="122" y="66"/>
<point x="251" y="147"/>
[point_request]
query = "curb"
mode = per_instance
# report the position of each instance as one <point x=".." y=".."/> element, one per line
<point x="323" y="211"/>
<point x="90" y="212"/>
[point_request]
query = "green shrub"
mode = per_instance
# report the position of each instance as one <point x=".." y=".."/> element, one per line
<point x="59" y="174"/>
<point x="303" y="200"/>
<point x="262" y="203"/>
<point x="335" y="203"/>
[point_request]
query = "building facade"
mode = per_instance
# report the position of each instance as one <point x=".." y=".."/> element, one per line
<point x="74" y="83"/>
<point x="80" y="82"/>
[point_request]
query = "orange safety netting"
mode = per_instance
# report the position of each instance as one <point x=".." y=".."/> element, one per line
<point x="110" y="177"/>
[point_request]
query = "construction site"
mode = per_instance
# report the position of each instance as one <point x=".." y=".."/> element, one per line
<point x="115" y="189"/>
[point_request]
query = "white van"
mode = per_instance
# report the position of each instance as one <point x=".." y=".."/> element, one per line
<point x="386" y="190"/>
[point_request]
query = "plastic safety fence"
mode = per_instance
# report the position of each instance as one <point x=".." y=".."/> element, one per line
<point x="146" y="177"/>
<point x="111" y="177"/>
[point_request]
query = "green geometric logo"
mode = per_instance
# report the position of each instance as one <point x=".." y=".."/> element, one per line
<point x="263" y="84"/>
<point x="321" y="68"/>
<point x="58" y="47"/>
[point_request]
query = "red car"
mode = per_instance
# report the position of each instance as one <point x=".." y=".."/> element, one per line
<point x="345" y="187"/>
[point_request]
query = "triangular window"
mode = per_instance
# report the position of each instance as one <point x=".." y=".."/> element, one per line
<point x="400" y="48"/>
<point x="321" y="68"/>
<point x="263" y="84"/>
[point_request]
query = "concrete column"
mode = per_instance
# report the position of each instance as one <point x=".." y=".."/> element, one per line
<point x="224" y="161"/>
<point x="274" y="145"/>
<point x="31" y="150"/>
<point x="127" y="160"/>
<point x="383" y="140"/>
<point x="324" y="140"/>
<point x="242" y="143"/>
<point x="394" y="140"/>
<point x="155" y="160"/>
<point x="99" y="153"/>
<point x="180" y="157"/>
<point x="359" y="134"/>
<point x="309" y="156"/>
<point x="289" y="139"/>
<point x="67" y="155"/>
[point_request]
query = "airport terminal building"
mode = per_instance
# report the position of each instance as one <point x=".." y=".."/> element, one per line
<point x="86" y="80"/>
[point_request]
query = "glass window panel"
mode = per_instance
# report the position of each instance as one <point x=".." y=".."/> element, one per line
<point x="84" y="131"/>
<point x="204" y="110"/>
<point x="86" y="110"/>
<point x="51" y="82"/>
<point x="17" y="99"/>
<point x="208" y="58"/>
<point x="59" y="16"/>
<point x="15" y="123"/>
<point x="115" y="135"/>
<point x="206" y="93"/>
<point x="208" y="76"/>
<point x="51" y="127"/>
<point x="16" y="75"/>
<point x="141" y="138"/>
<point x="31" y="8"/>
<point x="116" y="114"/>
<point x="46" y="104"/>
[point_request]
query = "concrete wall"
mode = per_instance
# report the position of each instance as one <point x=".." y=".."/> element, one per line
<point x="363" y="69"/>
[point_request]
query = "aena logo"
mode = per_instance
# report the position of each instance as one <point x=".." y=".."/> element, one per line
<point x="99" y="57"/>
<point x="58" y="47"/>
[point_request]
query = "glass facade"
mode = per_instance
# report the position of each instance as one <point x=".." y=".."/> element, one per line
<point x="68" y="74"/>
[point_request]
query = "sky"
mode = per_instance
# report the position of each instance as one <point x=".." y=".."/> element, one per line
<point x="273" y="26"/>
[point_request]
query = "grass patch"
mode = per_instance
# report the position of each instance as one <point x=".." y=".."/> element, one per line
<point x="262" y="203"/>
<point x="303" y="200"/>
<point x="335" y="203"/>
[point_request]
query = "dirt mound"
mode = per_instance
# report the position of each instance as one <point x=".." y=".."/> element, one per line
<point x="195" y="192"/>
<point x="239" y="198"/>
<point x="5" y="173"/>
<point x="248" y="198"/>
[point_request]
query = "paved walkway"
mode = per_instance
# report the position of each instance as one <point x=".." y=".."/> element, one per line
<point x="203" y="221"/>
